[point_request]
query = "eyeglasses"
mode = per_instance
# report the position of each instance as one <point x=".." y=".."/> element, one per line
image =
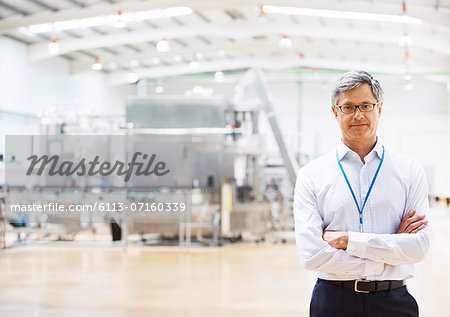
<point x="367" y="107"/>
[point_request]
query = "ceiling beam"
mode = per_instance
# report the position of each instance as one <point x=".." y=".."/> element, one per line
<point x="13" y="9"/>
<point x="427" y="13"/>
<point x="100" y="9"/>
<point x="341" y="49"/>
<point x="79" y="66"/>
<point x="243" y="30"/>
<point x="77" y="3"/>
<point x="44" y="5"/>
<point x="120" y="77"/>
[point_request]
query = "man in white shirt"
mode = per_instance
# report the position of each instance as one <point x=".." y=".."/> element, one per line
<point x="359" y="213"/>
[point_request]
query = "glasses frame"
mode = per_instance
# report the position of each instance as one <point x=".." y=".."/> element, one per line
<point x="358" y="107"/>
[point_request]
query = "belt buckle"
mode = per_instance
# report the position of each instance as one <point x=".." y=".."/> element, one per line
<point x="356" y="286"/>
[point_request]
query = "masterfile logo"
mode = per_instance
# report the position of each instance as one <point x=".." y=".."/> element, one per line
<point x="94" y="167"/>
<point x="97" y="161"/>
<point x="136" y="178"/>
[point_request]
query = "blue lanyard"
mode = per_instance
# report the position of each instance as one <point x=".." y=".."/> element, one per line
<point x="360" y="210"/>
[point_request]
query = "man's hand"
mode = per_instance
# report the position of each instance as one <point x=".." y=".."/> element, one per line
<point x="337" y="239"/>
<point x="411" y="223"/>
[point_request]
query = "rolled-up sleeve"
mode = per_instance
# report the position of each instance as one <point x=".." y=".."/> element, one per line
<point x="315" y="253"/>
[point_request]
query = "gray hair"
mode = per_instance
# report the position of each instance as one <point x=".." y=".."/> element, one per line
<point x="354" y="79"/>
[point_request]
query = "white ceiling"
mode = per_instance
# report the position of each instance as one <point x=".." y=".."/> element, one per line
<point x="234" y="35"/>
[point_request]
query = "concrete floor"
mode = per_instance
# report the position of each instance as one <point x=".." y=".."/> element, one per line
<point x="234" y="280"/>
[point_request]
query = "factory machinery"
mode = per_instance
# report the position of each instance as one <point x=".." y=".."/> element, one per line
<point x="217" y="168"/>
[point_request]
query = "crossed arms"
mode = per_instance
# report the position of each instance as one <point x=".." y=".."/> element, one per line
<point x="355" y="253"/>
<point x="410" y="225"/>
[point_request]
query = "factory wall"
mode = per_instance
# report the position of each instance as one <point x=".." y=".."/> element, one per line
<point x="414" y="122"/>
<point x="48" y="88"/>
<point x="37" y="87"/>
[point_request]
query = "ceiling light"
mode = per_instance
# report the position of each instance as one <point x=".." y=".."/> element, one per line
<point x="26" y="31"/>
<point x="351" y="15"/>
<point x="97" y="65"/>
<point x="405" y="40"/>
<point x="316" y="74"/>
<point x="128" y="17"/>
<point x="219" y="76"/>
<point x="178" y="58"/>
<point x="163" y="45"/>
<point x="119" y="24"/>
<point x="132" y="77"/>
<point x="194" y="64"/>
<point x="156" y="60"/>
<point x="199" y="55"/>
<point x="134" y="63"/>
<point x="177" y="11"/>
<point x="197" y="90"/>
<point x="41" y="28"/>
<point x="95" y="21"/>
<point x="285" y="42"/>
<point x="53" y="47"/>
<point x="66" y="25"/>
<point x="260" y="13"/>
<point x="149" y="15"/>
<point x="118" y="20"/>
<point x="159" y="89"/>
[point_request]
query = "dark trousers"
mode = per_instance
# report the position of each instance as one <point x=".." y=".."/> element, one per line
<point x="329" y="300"/>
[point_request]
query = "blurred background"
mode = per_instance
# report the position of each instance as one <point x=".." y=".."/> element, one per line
<point x="235" y="97"/>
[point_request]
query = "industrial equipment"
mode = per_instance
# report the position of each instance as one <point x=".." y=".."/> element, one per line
<point x="211" y="156"/>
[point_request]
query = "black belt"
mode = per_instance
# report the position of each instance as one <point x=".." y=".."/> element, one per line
<point x="363" y="286"/>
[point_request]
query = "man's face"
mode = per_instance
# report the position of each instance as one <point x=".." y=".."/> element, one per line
<point x="358" y="126"/>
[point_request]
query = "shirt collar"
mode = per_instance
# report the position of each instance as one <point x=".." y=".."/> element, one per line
<point x="343" y="149"/>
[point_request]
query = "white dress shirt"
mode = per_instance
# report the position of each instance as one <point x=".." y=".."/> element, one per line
<point x="323" y="202"/>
